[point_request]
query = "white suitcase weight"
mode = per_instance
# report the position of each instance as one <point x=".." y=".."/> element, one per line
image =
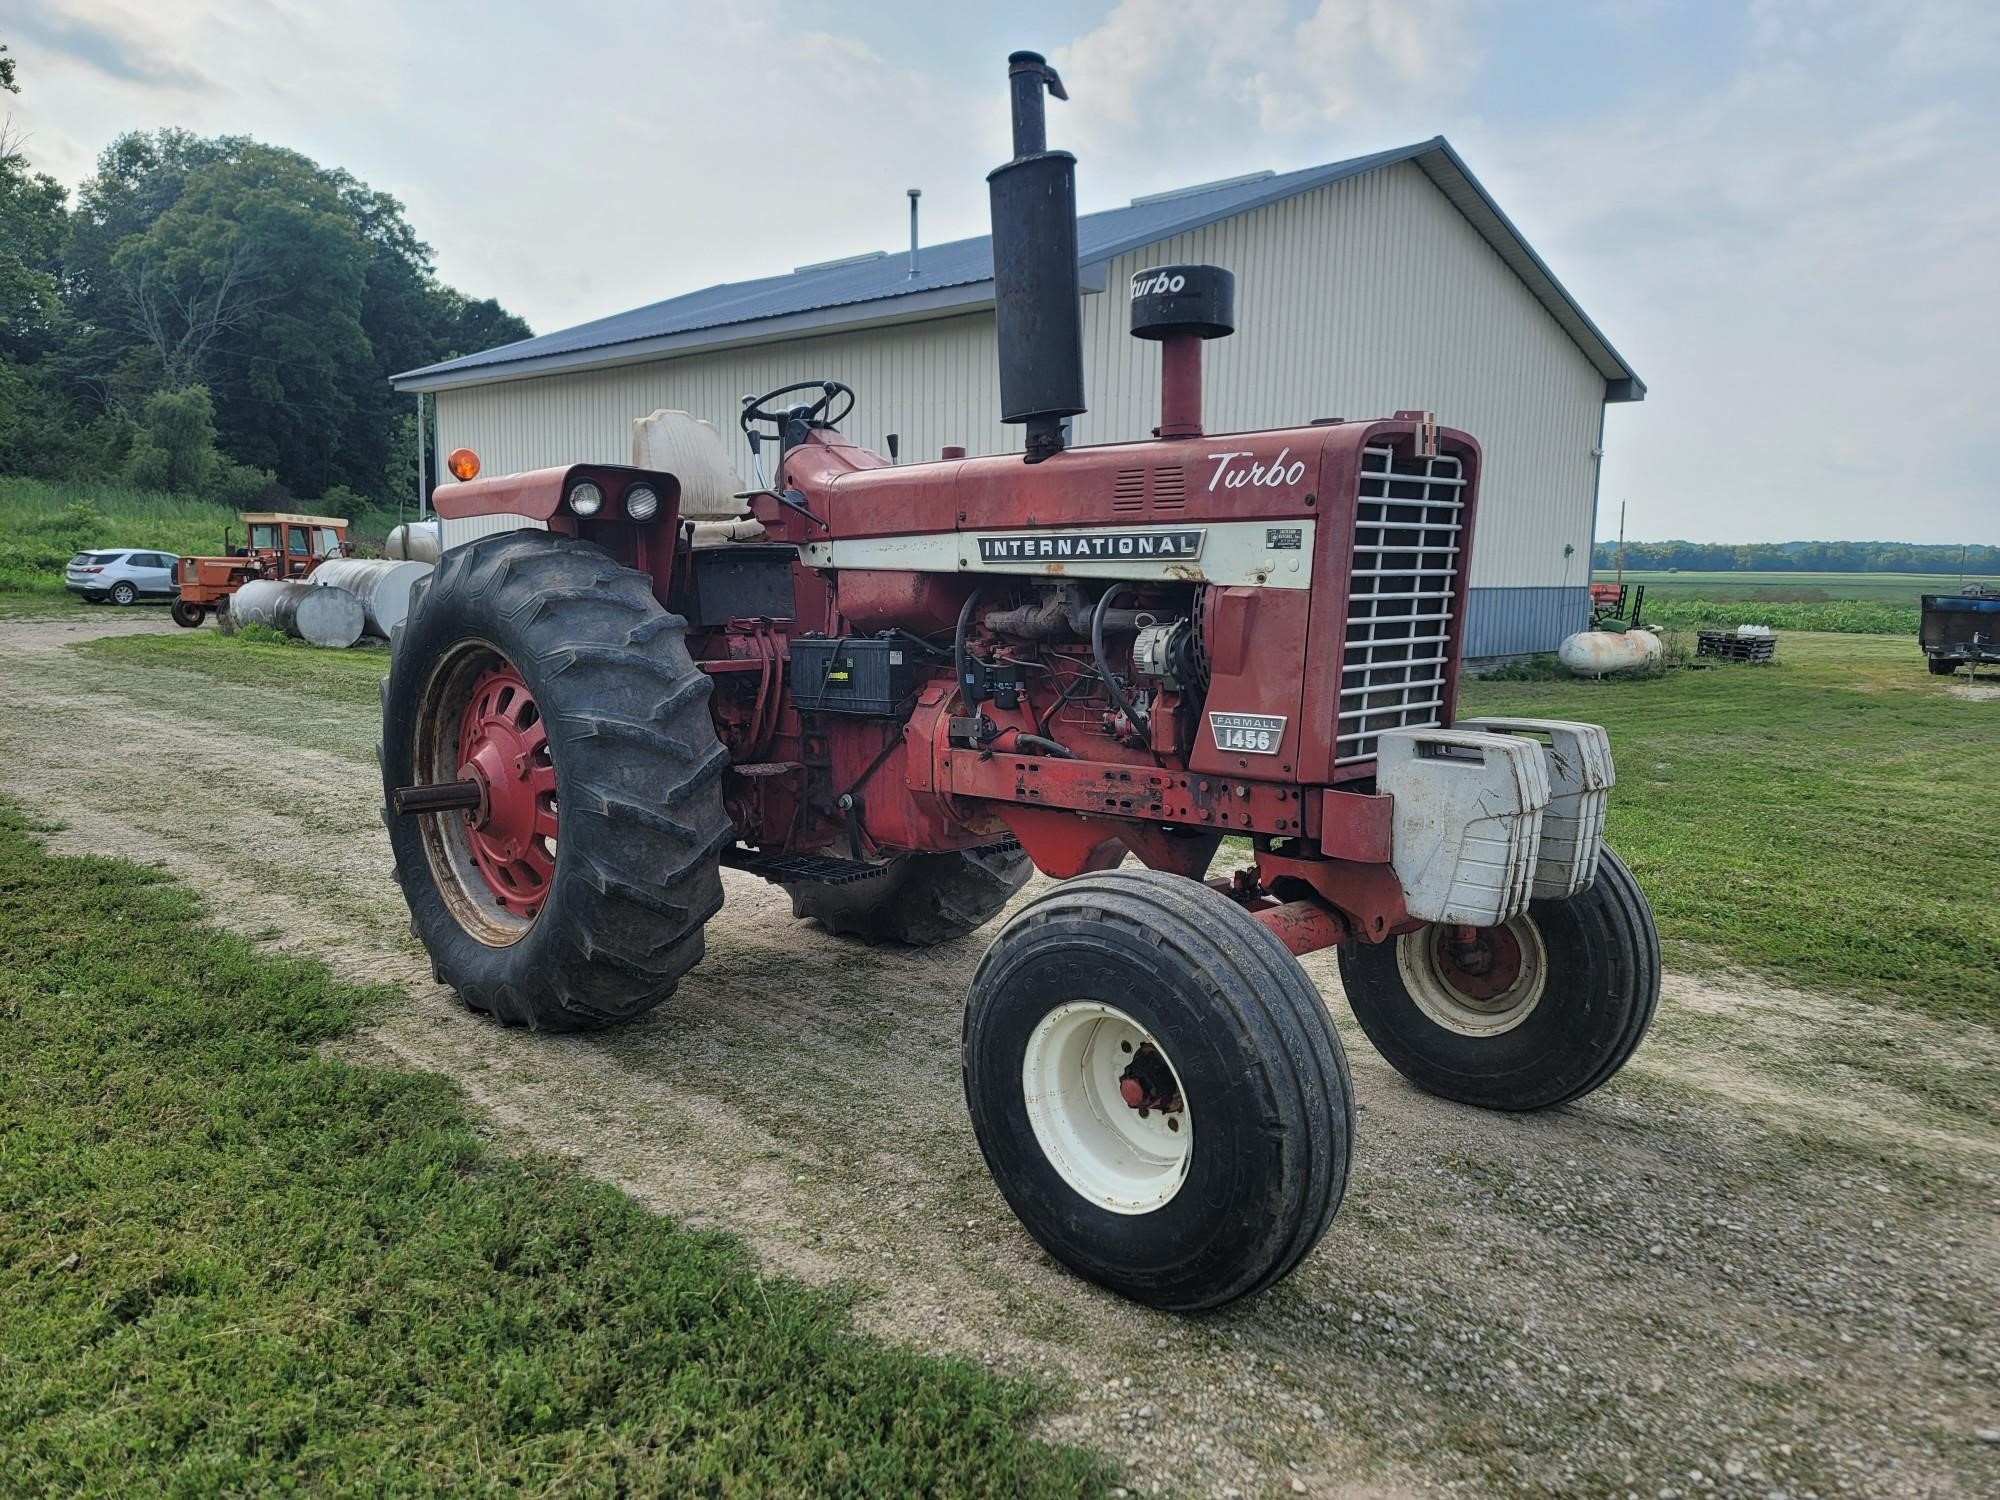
<point x="1466" y="827"/>
<point x="1580" y="781"/>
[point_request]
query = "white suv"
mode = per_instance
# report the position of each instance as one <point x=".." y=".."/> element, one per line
<point x="123" y="577"/>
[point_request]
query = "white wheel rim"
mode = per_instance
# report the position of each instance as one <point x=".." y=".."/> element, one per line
<point x="1120" y="1158"/>
<point x="1437" y="997"/>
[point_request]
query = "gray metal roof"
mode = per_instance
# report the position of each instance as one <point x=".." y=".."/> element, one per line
<point x="959" y="277"/>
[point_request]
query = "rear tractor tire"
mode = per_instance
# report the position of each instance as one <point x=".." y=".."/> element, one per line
<point x="1157" y="1089"/>
<point x="188" y="616"/>
<point x="1527" y="1015"/>
<point x="922" y="899"/>
<point x="576" y="893"/>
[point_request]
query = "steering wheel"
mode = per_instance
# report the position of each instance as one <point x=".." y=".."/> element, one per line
<point x="815" y="413"/>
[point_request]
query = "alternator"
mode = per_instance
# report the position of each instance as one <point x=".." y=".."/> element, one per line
<point x="1165" y="653"/>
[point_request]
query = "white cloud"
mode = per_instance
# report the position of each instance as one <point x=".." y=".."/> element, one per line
<point x="1796" y="265"/>
<point x="1165" y="94"/>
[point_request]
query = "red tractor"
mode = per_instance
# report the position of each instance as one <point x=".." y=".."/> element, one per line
<point x="895" y="690"/>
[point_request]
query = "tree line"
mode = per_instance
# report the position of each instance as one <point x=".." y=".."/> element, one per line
<point x="1798" y="557"/>
<point x="217" y="315"/>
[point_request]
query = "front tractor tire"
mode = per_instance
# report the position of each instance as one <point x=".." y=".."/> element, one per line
<point x="1525" y="1016"/>
<point x="575" y="894"/>
<point x="922" y="899"/>
<point x="1157" y="1089"/>
<point x="188" y="616"/>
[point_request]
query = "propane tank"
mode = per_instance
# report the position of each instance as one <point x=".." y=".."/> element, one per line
<point x="1597" y="653"/>
<point x="383" y="587"/>
<point x="415" y="541"/>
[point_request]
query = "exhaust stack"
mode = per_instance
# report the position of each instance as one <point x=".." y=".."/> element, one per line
<point x="1036" y="295"/>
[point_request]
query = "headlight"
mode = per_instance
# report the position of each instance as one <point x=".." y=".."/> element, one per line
<point x="641" y="504"/>
<point x="585" y="498"/>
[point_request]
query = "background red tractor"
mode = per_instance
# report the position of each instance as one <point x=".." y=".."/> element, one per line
<point x="277" y="544"/>
<point x="895" y="689"/>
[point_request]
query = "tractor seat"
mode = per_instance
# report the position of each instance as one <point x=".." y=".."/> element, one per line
<point x="681" y="444"/>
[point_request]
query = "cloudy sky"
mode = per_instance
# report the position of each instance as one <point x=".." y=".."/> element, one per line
<point x="1782" y="212"/>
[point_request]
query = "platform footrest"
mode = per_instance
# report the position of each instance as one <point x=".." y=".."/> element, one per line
<point x="1466" y="830"/>
<point x="1578" y="758"/>
<point x="802" y="869"/>
<point x="826" y="869"/>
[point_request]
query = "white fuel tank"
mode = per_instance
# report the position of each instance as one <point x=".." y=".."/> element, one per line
<point x="382" y="586"/>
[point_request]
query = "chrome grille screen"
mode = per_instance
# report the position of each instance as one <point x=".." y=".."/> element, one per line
<point x="1406" y="536"/>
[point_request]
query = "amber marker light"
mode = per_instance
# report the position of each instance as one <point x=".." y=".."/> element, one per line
<point x="463" y="463"/>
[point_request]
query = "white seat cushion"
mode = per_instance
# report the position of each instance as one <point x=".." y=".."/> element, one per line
<point x="681" y="444"/>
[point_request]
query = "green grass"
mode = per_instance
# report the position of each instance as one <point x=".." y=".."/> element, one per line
<point x="351" y="676"/>
<point x="230" y="1263"/>
<point x="43" y="524"/>
<point x="1900" y="589"/>
<point x="1828" y="820"/>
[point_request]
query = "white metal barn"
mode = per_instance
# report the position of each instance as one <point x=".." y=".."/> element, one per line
<point x="1363" y="287"/>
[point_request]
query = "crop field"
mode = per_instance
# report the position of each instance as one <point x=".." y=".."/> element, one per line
<point x="1793" y="588"/>
<point x="1851" y="603"/>
<point x="426" y="1252"/>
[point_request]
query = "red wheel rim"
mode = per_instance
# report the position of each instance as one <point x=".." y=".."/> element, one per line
<point x="504" y="745"/>
<point x="1479" y="962"/>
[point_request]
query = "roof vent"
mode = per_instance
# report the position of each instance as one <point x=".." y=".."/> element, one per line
<point x="1204" y="187"/>
<point x="845" y="260"/>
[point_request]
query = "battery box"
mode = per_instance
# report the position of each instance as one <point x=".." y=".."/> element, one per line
<point x="853" y="675"/>
<point x="737" y="581"/>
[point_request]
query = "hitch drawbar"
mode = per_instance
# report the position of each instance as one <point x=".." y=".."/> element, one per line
<point x="442" y="796"/>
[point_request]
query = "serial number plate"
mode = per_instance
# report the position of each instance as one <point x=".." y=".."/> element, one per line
<point x="1247" y="734"/>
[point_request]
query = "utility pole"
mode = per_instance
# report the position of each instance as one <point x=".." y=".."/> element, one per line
<point x="422" y="497"/>
<point x="1621" y="541"/>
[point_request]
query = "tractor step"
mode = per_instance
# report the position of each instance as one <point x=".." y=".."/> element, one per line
<point x="823" y="869"/>
<point x="801" y="869"/>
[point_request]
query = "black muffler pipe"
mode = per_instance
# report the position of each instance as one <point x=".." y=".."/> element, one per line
<point x="1037" y="298"/>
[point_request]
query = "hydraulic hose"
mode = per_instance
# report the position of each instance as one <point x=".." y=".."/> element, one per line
<point x="960" y="654"/>
<point x="1111" y="687"/>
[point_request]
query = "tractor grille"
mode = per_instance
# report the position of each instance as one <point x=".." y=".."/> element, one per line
<point x="1406" y="532"/>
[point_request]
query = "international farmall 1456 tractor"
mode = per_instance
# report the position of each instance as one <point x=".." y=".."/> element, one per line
<point x="895" y="689"/>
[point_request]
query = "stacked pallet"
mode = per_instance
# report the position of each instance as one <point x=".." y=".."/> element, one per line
<point x="1733" y="645"/>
